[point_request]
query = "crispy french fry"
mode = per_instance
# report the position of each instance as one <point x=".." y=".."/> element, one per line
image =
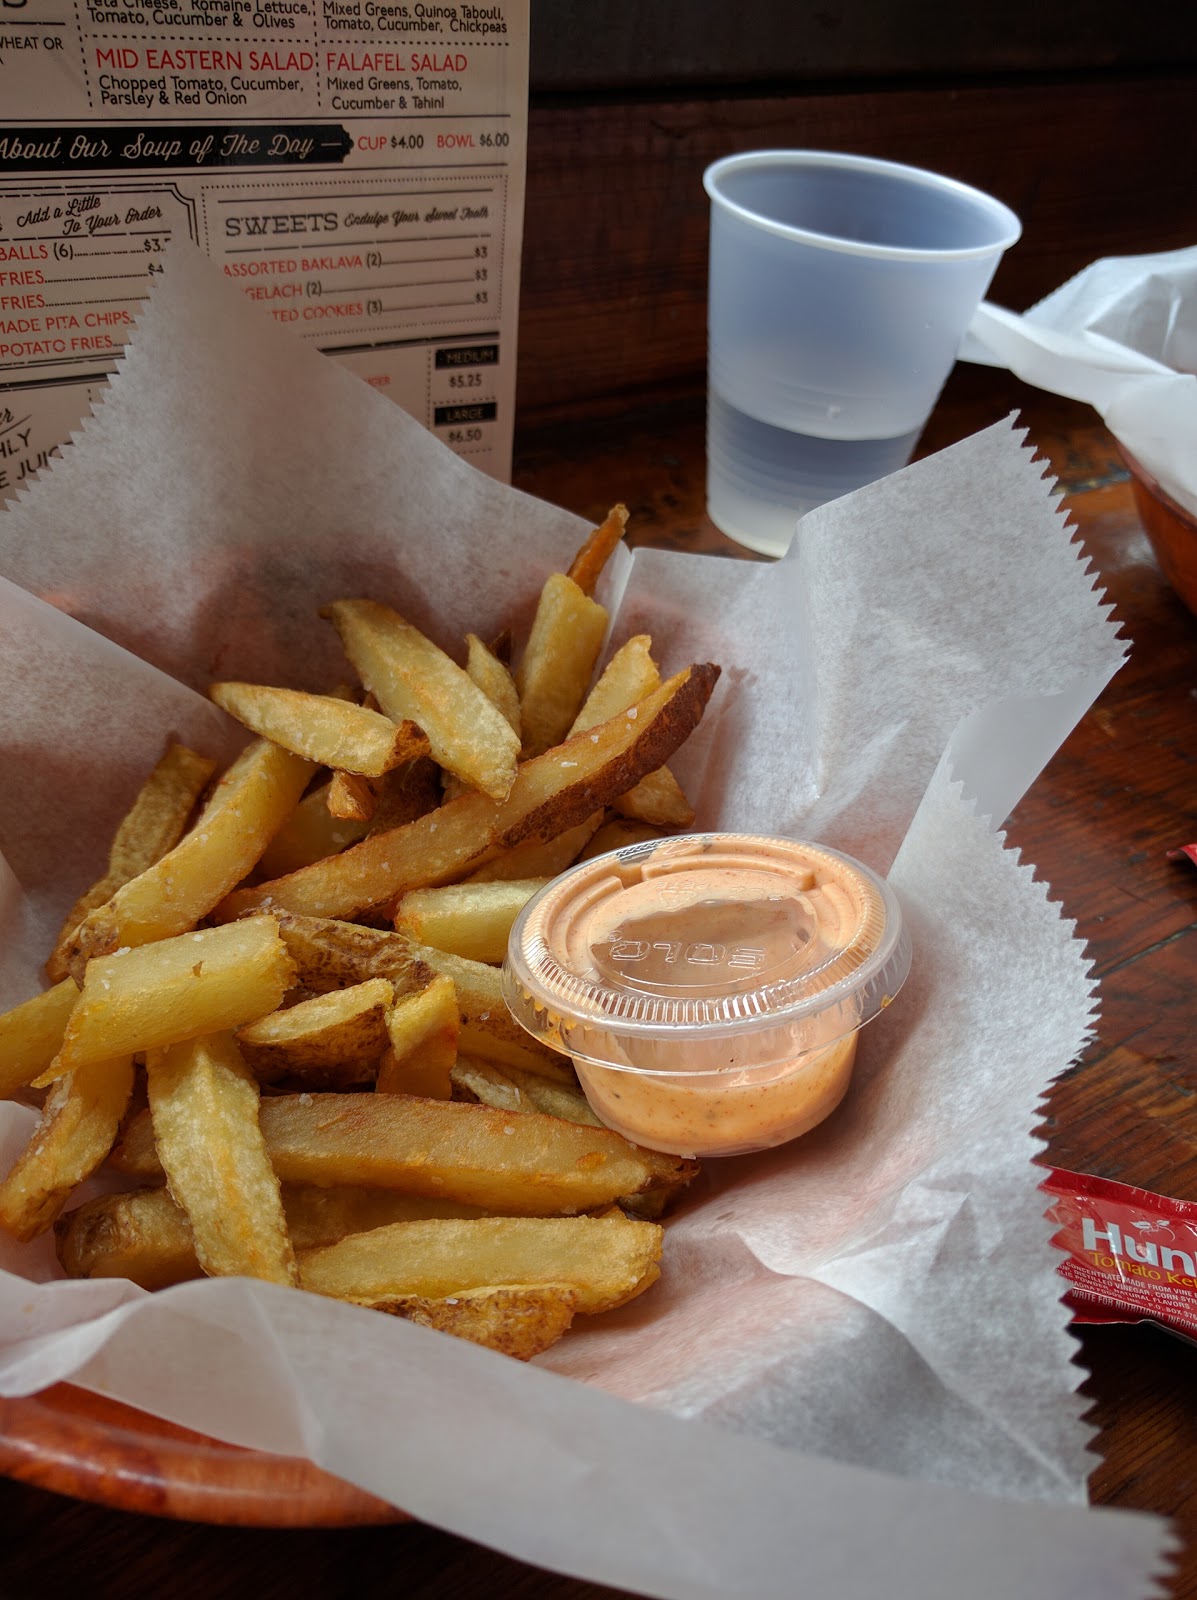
<point x="309" y="834"/>
<point x="145" y="1236"/>
<point x="554" y="792"/>
<point x="606" y="1260"/>
<point x="487" y="1027"/>
<point x="526" y="1165"/>
<point x="333" y="1039"/>
<point x="251" y="802"/>
<point x="31" y="1036"/>
<point x="475" y="1079"/>
<point x="494" y="679"/>
<point x="332" y="955"/>
<point x="326" y="729"/>
<point x="411" y="678"/>
<point x="153" y="825"/>
<point x="598" y="549"/>
<point x="521" y="1323"/>
<point x="423" y="1030"/>
<point x="204" y="1111"/>
<point x="629" y="676"/>
<point x="405" y="794"/>
<point x="180" y="988"/>
<point x="78" y="1126"/>
<point x="538" y="859"/>
<point x="512" y="1088"/>
<point x="466" y="919"/>
<point x="352" y="798"/>
<point x="556" y="668"/>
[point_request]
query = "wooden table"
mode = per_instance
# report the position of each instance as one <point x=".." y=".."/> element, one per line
<point x="1098" y="825"/>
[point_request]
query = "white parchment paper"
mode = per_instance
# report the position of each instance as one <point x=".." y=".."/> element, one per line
<point x="876" y="1303"/>
<point x="1121" y="335"/>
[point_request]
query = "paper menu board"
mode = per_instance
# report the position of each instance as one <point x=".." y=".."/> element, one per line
<point x="355" y="166"/>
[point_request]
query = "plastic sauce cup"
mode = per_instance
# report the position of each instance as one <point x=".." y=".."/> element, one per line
<point x="710" y="987"/>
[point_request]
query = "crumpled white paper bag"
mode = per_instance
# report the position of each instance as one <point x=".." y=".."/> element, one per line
<point x="1122" y="336"/>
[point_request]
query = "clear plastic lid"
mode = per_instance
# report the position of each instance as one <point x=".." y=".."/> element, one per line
<point x="693" y="953"/>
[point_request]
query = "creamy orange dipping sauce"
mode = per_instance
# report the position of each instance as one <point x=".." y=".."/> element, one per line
<point x="709" y="988"/>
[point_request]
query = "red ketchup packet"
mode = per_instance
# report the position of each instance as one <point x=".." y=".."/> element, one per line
<point x="1189" y="850"/>
<point x="1130" y="1255"/>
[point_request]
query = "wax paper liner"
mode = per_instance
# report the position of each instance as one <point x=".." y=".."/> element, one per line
<point x="881" y="1294"/>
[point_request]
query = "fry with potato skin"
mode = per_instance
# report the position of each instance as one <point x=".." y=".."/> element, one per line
<point x="333" y="1039"/>
<point x="330" y="954"/>
<point x="441" y="1149"/>
<point x="328" y="730"/>
<point x="204" y="1111"/>
<point x="412" y="679"/>
<point x="78" y="1127"/>
<point x="180" y="988"/>
<point x="153" y="825"/>
<point x="251" y="802"/>
<point x="551" y="793"/>
<point x="145" y="1236"/>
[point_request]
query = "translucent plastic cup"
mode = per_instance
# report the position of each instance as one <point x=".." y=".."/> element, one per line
<point x="710" y="988"/>
<point x="840" y="288"/>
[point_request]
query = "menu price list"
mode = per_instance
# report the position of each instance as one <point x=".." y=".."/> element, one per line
<point x="379" y="226"/>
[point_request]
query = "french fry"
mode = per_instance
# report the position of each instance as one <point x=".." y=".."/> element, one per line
<point x="351" y="798"/>
<point x="529" y="1165"/>
<point x="251" y="802"/>
<point x="204" y="1112"/>
<point x="466" y="919"/>
<point x="520" y="1323"/>
<point x="487" y="1026"/>
<point x="629" y="676"/>
<point x="180" y="988"/>
<point x="333" y="1039"/>
<point x="554" y="792"/>
<point x="513" y="1089"/>
<point x="31" y="1036"/>
<point x="538" y="859"/>
<point x="325" y="729"/>
<point x="422" y="1029"/>
<point x="606" y="1260"/>
<point x="153" y="825"/>
<point x="78" y="1126"/>
<point x="598" y="549"/>
<point x="555" y="670"/>
<point x="319" y="1216"/>
<point x="405" y="794"/>
<point x="330" y="954"/>
<point x="412" y="679"/>
<point x="494" y="679"/>
<point x="309" y="834"/>
<point x="145" y="1236"/>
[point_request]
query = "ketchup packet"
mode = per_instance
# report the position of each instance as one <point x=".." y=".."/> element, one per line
<point x="1131" y="1256"/>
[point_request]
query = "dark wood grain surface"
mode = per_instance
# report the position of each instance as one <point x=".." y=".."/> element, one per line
<point x="1098" y="825"/>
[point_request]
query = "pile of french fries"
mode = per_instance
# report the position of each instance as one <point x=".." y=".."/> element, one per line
<point x="278" y="1014"/>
